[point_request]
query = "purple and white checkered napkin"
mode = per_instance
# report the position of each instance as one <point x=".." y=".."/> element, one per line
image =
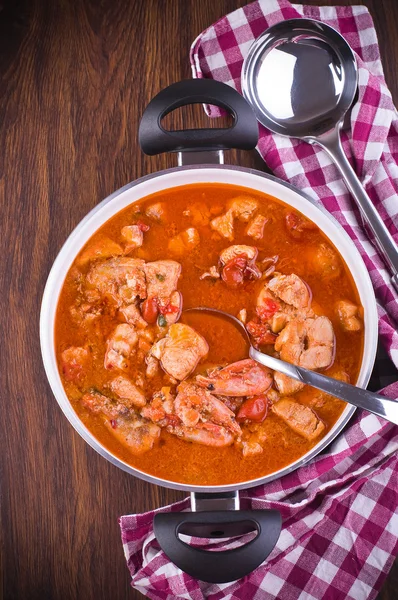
<point x="340" y="523"/>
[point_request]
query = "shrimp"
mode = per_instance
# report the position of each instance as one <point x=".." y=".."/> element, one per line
<point x="194" y="415"/>
<point x="161" y="408"/>
<point x="242" y="378"/>
<point x="122" y="280"/>
<point x="180" y="351"/>
<point x="119" y="347"/>
<point x="193" y="404"/>
<point x="309" y="344"/>
<point x="99" y="403"/>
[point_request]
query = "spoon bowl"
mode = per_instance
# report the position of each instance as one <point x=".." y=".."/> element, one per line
<point x="374" y="403"/>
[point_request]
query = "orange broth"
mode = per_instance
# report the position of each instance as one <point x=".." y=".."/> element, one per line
<point x="172" y="458"/>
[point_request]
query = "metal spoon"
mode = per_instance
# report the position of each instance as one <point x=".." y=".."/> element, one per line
<point x="300" y="76"/>
<point x="374" y="403"/>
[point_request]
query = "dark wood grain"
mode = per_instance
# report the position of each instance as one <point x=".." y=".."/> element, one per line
<point x="75" y="78"/>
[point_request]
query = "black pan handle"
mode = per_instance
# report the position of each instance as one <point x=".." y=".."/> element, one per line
<point x="154" y="139"/>
<point x="214" y="566"/>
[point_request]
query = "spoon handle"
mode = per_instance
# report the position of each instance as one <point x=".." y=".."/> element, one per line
<point x="374" y="403"/>
<point x="383" y="240"/>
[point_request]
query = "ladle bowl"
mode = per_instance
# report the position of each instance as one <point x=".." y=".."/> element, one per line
<point x="300" y="76"/>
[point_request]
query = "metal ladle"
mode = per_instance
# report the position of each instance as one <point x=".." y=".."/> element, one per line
<point x="374" y="403"/>
<point x="300" y="76"/>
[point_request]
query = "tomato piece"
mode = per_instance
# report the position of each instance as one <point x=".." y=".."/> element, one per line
<point x="254" y="409"/>
<point x="150" y="310"/>
<point x="261" y="333"/>
<point x="168" y="309"/>
<point x="234" y="271"/>
<point x="143" y="226"/>
<point x="267" y="310"/>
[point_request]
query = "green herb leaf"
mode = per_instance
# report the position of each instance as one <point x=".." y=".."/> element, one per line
<point x="162" y="321"/>
<point x="160" y="277"/>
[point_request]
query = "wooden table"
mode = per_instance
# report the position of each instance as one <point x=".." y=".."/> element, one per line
<point x="75" y="78"/>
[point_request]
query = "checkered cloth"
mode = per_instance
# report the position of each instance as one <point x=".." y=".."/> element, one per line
<point x="340" y="524"/>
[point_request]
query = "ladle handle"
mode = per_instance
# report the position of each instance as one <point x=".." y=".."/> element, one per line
<point x="374" y="403"/>
<point x="383" y="239"/>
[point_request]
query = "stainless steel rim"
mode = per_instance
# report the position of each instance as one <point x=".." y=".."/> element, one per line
<point x="65" y="405"/>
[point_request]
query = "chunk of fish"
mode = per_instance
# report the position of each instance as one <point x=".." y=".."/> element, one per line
<point x="180" y="351"/>
<point x="224" y="225"/>
<point x="136" y="433"/>
<point x="184" y="242"/>
<point x="75" y="361"/>
<point x="101" y="248"/>
<point x="161" y="278"/>
<point x="291" y="289"/>
<point x="134" y="237"/>
<point x="302" y="419"/>
<point x="120" y="279"/>
<point x="156" y="211"/>
<point x="309" y="343"/>
<point x="286" y="385"/>
<point x="348" y="314"/>
<point x="152" y="366"/>
<point x="255" y="228"/>
<point x="128" y="393"/>
<point x="199" y="213"/>
<point x="242" y="378"/>
<point x="240" y="208"/>
<point x="243" y="207"/>
<point x="275" y="312"/>
<point x="130" y="429"/>
<point x="120" y="346"/>
<point x="132" y="315"/>
<point x="326" y="261"/>
<point x="161" y="408"/>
